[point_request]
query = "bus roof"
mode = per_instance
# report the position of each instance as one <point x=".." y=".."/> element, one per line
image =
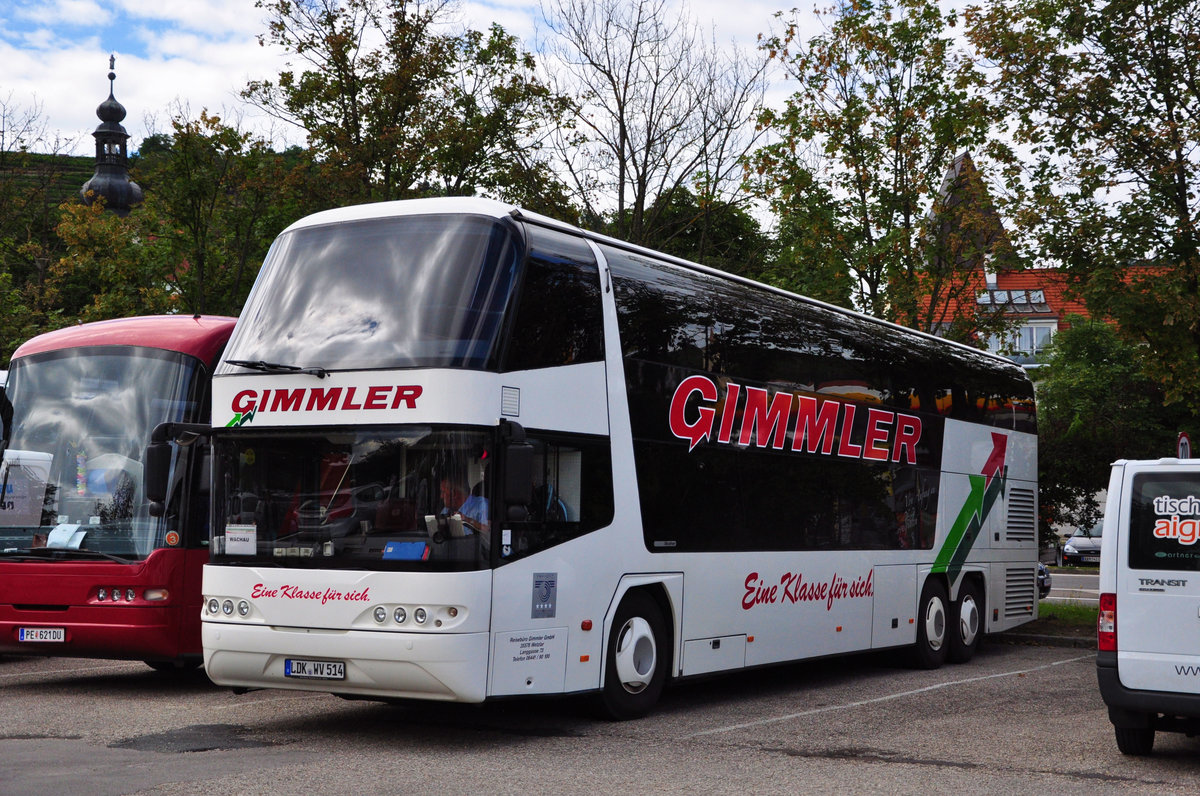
<point x="200" y="336"/>
<point x="495" y="209"/>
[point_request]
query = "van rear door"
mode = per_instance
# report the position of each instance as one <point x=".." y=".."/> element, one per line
<point x="1158" y="577"/>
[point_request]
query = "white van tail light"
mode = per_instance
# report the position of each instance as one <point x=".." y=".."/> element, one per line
<point x="1106" y="623"/>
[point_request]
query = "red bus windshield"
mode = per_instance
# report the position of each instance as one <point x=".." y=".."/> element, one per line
<point x="72" y="484"/>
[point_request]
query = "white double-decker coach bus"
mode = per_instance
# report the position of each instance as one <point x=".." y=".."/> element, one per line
<point x="463" y="452"/>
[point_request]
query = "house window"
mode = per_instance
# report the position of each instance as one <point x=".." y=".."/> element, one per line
<point x="1028" y="339"/>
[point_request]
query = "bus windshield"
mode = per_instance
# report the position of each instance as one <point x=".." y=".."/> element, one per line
<point x="412" y="291"/>
<point x="396" y="497"/>
<point x="73" y="476"/>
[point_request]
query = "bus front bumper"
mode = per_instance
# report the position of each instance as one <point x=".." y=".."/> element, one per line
<point x="85" y="631"/>
<point x="447" y="667"/>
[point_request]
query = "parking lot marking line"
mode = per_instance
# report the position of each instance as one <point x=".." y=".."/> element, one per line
<point x="901" y="695"/>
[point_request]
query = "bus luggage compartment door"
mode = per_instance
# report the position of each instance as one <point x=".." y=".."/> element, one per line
<point x="704" y="655"/>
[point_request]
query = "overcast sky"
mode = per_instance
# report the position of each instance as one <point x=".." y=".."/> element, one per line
<point x="201" y="53"/>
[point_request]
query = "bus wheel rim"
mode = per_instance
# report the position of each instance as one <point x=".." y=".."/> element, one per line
<point x="968" y="620"/>
<point x="636" y="655"/>
<point x="935" y="624"/>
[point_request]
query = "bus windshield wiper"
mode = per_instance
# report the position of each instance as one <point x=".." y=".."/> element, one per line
<point x="277" y="367"/>
<point x="59" y="554"/>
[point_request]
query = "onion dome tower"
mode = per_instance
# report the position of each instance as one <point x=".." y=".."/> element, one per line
<point x="111" y="179"/>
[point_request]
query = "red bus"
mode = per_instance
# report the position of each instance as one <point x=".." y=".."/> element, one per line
<point x="86" y="568"/>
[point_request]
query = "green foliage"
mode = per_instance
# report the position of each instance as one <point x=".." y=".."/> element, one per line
<point x="1095" y="406"/>
<point x="222" y="197"/>
<point x="112" y="266"/>
<point x="394" y="107"/>
<point x="1070" y="614"/>
<point x="1103" y="97"/>
<point x="32" y="186"/>
<point x="713" y="233"/>
<point x="884" y="104"/>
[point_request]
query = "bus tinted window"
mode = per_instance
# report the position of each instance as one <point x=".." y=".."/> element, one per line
<point x="407" y="497"/>
<point x="557" y="319"/>
<point x="572" y="493"/>
<point x="409" y="291"/>
<point x="778" y="424"/>
<point x="83" y="417"/>
<point x="738" y="499"/>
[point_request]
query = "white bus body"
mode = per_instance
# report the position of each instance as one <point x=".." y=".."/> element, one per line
<point x="654" y="511"/>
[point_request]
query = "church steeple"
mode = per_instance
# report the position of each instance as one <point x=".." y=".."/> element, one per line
<point x="111" y="179"/>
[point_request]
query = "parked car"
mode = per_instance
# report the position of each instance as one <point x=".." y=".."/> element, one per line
<point x="1043" y="581"/>
<point x="1084" y="546"/>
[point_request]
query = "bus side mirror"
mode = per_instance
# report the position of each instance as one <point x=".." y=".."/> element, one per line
<point x="156" y="475"/>
<point x="518" y="480"/>
<point x="205" y="477"/>
<point x="518" y="472"/>
<point x="6" y="416"/>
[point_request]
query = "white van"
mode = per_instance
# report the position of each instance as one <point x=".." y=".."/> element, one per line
<point x="1148" y="639"/>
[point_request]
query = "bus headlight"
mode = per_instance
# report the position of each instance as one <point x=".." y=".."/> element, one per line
<point x="214" y="607"/>
<point x="400" y="615"/>
<point x="227" y="607"/>
<point x="380" y="614"/>
<point x="243" y="608"/>
<point x="420" y="616"/>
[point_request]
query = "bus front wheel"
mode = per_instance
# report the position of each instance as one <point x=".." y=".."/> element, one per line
<point x="933" y="627"/>
<point x="637" y="659"/>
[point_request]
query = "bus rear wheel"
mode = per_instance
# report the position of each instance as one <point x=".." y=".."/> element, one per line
<point x="966" y="624"/>
<point x="636" y="668"/>
<point x="933" y="625"/>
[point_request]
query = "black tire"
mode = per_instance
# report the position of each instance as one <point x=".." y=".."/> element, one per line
<point x="966" y="624"/>
<point x="637" y="659"/>
<point x="933" y="626"/>
<point x="174" y="667"/>
<point x="1138" y="741"/>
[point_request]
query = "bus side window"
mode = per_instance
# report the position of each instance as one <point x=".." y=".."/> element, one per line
<point x="558" y="318"/>
<point x="572" y="494"/>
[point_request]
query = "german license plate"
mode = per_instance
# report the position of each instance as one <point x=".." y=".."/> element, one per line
<point x="314" y="670"/>
<point x="1090" y="559"/>
<point x="41" y="634"/>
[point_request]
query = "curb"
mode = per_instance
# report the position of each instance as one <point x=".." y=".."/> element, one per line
<point x="1032" y="639"/>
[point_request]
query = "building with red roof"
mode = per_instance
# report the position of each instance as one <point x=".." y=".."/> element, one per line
<point x="1037" y="300"/>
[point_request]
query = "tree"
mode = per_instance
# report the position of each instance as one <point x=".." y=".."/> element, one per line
<point x="729" y="239"/>
<point x="112" y="266"/>
<point x="1095" y="406"/>
<point x="493" y="138"/>
<point x="1104" y="97"/>
<point x="35" y="178"/>
<point x="659" y="111"/>
<point x="811" y="246"/>
<point x="394" y="107"/>
<point x="885" y="103"/>
<point x="222" y="197"/>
